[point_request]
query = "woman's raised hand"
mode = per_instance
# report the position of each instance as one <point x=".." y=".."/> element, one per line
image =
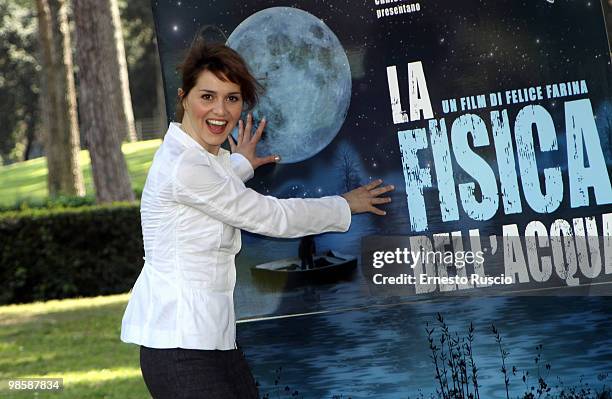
<point x="363" y="199"/>
<point x="247" y="142"/>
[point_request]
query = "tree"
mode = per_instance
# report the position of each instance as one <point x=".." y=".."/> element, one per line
<point x="102" y="115"/>
<point x="19" y="85"/>
<point x="123" y="85"/>
<point x="159" y="91"/>
<point x="62" y="142"/>
<point x="349" y="167"/>
<point x="143" y="60"/>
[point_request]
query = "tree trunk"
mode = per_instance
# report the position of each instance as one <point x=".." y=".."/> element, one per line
<point x="62" y="143"/>
<point x="123" y="82"/>
<point x="102" y="116"/>
<point x="30" y="137"/>
<point x="161" y="98"/>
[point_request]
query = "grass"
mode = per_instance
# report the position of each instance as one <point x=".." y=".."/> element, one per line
<point x="73" y="339"/>
<point x="28" y="180"/>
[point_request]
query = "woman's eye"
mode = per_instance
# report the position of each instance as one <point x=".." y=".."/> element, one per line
<point x="206" y="97"/>
<point x="233" y="99"/>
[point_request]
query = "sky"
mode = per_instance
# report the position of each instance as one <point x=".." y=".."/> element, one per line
<point x="467" y="47"/>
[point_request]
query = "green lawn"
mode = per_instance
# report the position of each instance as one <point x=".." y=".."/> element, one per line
<point x="74" y="339"/>
<point x="28" y="180"/>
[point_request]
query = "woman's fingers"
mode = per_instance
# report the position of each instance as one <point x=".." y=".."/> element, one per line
<point x="248" y="127"/>
<point x="377" y="211"/>
<point x="376" y="200"/>
<point x="268" y="159"/>
<point x="364" y="198"/>
<point x="232" y="143"/>
<point x="246" y="130"/>
<point x="240" y="131"/>
<point x="260" y="129"/>
<point x="373" y="184"/>
<point x="380" y="200"/>
<point x="381" y="190"/>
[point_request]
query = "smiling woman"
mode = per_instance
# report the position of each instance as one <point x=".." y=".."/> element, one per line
<point x="224" y="63"/>
<point x="194" y="204"/>
<point x="211" y="108"/>
<point x="214" y="89"/>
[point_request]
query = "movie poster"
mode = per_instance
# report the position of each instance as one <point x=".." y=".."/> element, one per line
<point x="491" y="271"/>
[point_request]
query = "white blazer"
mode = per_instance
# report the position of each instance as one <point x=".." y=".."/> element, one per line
<point x="193" y="206"/>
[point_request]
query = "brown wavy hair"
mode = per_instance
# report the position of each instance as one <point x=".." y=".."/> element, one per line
<point x="225" y="63"/>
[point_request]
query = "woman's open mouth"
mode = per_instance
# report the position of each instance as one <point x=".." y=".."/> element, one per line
<point x="216" y="126"/>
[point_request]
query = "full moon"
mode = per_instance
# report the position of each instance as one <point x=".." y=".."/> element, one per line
<point x="306" y="76"/>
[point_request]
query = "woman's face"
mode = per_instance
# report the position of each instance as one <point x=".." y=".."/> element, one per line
<point x="212" y="109"/>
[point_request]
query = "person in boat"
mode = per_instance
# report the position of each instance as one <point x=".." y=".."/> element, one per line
<point x="193" y="207"/>
<point x="306" y="252"/>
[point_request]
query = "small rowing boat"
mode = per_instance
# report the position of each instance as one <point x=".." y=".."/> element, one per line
<point x="328" y="268"/>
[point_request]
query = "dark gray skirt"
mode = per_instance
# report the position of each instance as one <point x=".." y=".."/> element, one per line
<point x="179" y="373"/>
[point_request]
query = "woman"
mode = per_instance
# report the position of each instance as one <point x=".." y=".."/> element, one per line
<point x="194" y="204"/>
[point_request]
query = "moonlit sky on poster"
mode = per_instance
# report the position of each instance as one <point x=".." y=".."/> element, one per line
<point x="467" y="48"/>
<point x="471" y="46"/>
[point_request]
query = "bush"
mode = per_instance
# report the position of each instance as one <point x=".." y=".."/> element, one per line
<point x="62" y="201"/>
<point x="48" y="203"/>
<point x="62" y="253"/>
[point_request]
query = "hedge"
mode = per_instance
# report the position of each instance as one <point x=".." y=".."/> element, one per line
<point x="66" y="253"/>
<point x="58" y="202"/>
